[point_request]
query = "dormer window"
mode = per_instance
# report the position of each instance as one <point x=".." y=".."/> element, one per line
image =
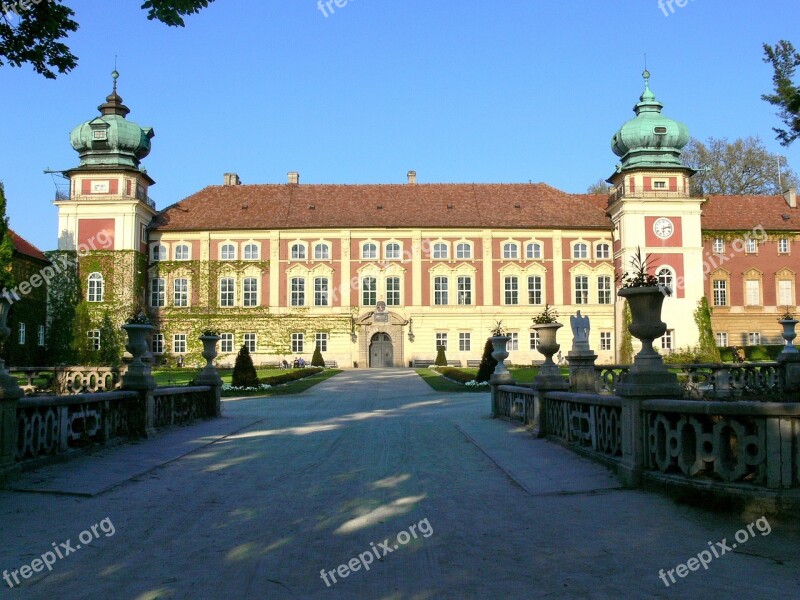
<point x="660" y="130"/>
<point x="99" y="134"/>
<point x="659" y="185"/>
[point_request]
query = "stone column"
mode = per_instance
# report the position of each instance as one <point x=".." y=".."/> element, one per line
<point x="581" y="359"/>
<point x="10" y="393"/>
<point x="209" y="375"/>
<point x="139" y="378"/>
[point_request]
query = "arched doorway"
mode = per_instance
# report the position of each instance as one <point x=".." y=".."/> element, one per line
<point x="381" y="353"/>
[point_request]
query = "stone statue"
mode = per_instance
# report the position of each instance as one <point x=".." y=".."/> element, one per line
<point x="580" y="328"/>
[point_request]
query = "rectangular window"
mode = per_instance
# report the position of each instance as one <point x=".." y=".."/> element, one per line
<point x="464" y="342"/>
<point x="441" y="341"/>
<point x="534" y="289"/>
<point x="719" y="245"/>
<point x="754" y="338"/>
<point x="179" y="343"/>
<point x="41" y="335"/>
<point x="783" y="245"/>
<point x="22" y="334"/>
<point x="226" y="291"/>
<point x="659" y="185"/>
<point x="298" y="291"/>
<point x="158" y="293"/>
<point x="158" y="343"/>
<point x="785" y="295"/>
<point x="535" y="340"/>
<point x="94" y="339"/>
<point x="513" y="343"/>
<point x="440" y="291"/>
<point x="667" y="340"/>
<point x="181" y="289"/>
<point x="581" y="289"/>
<point x="250" y="342"/>
<point x="465" y="291"/>
<point x="751" y="246"/>
<point x="321" y="291"/>
<point x="392" y="291"/>
<point x="226" y="343"/>
<point x="322" y="342"/>
<point x="753" y="292"/>
<point x="722" y="339"/>
<point x="298" y="343"/>
<point x="605" y="340"/>
<point x="369" y="291"/>
<point x="720" y="292"/>
<point x="250" y="292"/>
<point x="604" y="289"/>
<point x="511" y="290"/>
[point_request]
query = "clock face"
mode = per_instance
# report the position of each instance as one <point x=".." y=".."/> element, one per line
<point x="663" y="228"/>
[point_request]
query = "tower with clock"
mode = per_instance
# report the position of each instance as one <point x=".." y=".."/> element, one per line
<point x="652" y="209"/>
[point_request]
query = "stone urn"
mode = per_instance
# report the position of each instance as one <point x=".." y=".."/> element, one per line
<point x="209" y="375"/>
<point x="500" y="354"/>
<point x="648" y="375"/>
<point x="789" y="334"/>
<point x="549" y="375"/>
<point x="139" y="374"/>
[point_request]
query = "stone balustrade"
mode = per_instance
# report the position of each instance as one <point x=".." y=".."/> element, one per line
<point x="63" y="381"/>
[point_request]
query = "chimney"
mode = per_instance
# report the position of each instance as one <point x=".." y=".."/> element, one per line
<point x="790" y="196"/>
<point x="294" y="178"/>
<point x="412" y="178"/>
<point x="231" y="179"/>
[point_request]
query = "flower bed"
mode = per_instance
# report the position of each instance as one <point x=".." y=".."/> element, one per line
<point x="290" y="376"/>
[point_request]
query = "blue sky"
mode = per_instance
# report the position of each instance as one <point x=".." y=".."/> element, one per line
<point x="460" y="91"/>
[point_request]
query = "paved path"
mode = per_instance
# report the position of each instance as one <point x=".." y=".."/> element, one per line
<point x="308" y="482"/>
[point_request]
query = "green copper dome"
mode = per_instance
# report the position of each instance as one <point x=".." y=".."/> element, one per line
<point x="651" y="139"/>
<point x="110" y="140"/>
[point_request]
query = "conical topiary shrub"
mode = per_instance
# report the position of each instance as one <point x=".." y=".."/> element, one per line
<point x="316" y="359"/>
<point x="441" y="359"/>
<point x="244" y="372"/>
<point x="488" y="363"/>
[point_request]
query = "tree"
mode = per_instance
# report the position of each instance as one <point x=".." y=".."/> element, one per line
<point x="63" y="295"/>
<point x="316" y="358"/>
<point x="601" y="186"/>
<point x="784" y="60"/>
<point x="626" y="348"/>
<point x="82" y="349"/>
<point x="37" y="39"/>
<point x="488" y="363"/>
<point x="441" y="359"/>
<point x="707" y="346"/>
<point x="741" y="167"/>
<point x="6" y="247"/>
<point x="110" y="343"/>
<point x="244" y="372"/>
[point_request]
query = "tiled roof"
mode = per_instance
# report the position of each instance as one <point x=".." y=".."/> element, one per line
<point x="748" y="212"/>
<point x="24" y="247"/>
<point x="503" y="206"/>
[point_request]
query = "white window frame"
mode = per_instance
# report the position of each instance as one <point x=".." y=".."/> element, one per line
<point x="604" y="289"/>
<point x="668" y="340"/>
<point x="751" y="246"/>
<point x="533" y="251"/>
<point x="158" y="253"/>
<point x="464" y="341"/>
<point x="440" y="251"/>
<point x="369" y="251"/>
<point x="252" y="251"/>
<point x="179" y="345"/>
<point x="21" y="334"/>
<point x="393" y="251"/>
<point x="583" y="254"/>
<point x="41" y="336"/>
<point x="226" y="343"/>
<point x="441" y="340"/>
<point x="250" y="342"/>
<point x="322" y="251"/>
<point x="158" y="292"/>
<point x="535" y="290"/>
<point x="718" y="245"/>
<point x="227" y="292"/>
<point x="721" y="337"/>
<point x="602" y="251"/>
<point x="96" y="287"/>
<point x="752" y="292"/>
<point x="510" y="251"/>
<point x="298" y="341"/>
<point x="513" y="342"/>
<point x="157" y="345"/>
<point x="394" y="295"/>
<point x="94" y="339"/>
<point x="581" y="291"/>
<point x="605" y="341"/>
<point x="720" y="292"/>
<point x="783" y="245"/>
<point x="297" y="291"/>
<point x="461" y="254"/>
<point x="753" y="338"/>
<point x="321" y="341"/>
<point x="441" y="290"/>
<point x="298" y="251"/>
<point x="369" y="290"/>
<point x="250" y="296"/>
<point x="183" y="252"/>
<point x="534" y="340"/>
<point x="464" y="290"/>
<point x="180" y="292"/>
<point x="786" y="292"/>
<point x="322" y="288"/>
<point x="227" y="251"/>
<point x="511" y="290"/>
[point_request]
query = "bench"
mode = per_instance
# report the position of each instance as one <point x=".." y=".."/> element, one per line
<point x="331" y="364"/>
<point x="454" y="363"/>
<point x="422" y="363"/>
<point x="474" y="362"/>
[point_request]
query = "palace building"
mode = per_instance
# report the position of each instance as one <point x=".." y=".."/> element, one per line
<point x="382" y="275"/>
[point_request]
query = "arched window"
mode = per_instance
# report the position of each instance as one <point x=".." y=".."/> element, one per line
<point x="440" y="250"/>
<point x="251" y="252"/>
<point x="665" y="278"/>
<point x="159" y="253"/>
<point x="393" y="251"/>
<point x="463" y="250"/>
<point x="322" y="252"/>
<point x="96" y="287"/>
<point x="533" y="250"/>
<point x="369" y="251"/>
<point x="580" y="251"/>
<point x="603" y="251"/>
<point x="182" y="252"/>
<point x="228" y="252"/>
<point x="298" y="252"/>
<point x="510" y="250"/>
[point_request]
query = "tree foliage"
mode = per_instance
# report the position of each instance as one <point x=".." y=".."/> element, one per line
<point x="6" y="246"/>
<point x="741" y="167"/>
<point x="316" y="358"/>
<point x="707" y="346"/>
<point x="784" y="60"/>
<point x="110" y="343"/>
<point x="64" y="294"/>
<point x="441" y="359"/>
<point x="626" y="347"/>
<point x="36" y="36"/>
<point x="601" y="186"/>
<point x="82" y="351"/>
<point x="244" y="372"/>
<point x="488" y="363"/>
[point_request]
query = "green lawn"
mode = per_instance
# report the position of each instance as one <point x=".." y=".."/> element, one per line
<point x="180" y="378"/>
<point x="171" y="378"/>
<point x="440" y="384"/>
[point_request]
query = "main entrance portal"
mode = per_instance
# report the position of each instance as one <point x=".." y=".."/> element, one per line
<point x="381" y="353"/>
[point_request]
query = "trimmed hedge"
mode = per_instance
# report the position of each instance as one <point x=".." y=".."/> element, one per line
<point x="456" y="374"/>
<point x="290" y="376"/>
<point x="753" y="353"/>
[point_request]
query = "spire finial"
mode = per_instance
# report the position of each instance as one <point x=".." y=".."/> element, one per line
<point x="115" y="75"/>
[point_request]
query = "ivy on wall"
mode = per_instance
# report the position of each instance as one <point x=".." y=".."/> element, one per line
<point x="626" y="347"/>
